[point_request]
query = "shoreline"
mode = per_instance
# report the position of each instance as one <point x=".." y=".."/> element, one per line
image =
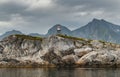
<point x="60" y="66"/>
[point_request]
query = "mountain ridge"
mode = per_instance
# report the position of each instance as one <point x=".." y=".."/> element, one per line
<point x="97" y="29"/>
<point x="8" y="33"/>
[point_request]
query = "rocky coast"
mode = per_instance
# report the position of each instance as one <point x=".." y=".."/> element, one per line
<point x="57" y="51"/>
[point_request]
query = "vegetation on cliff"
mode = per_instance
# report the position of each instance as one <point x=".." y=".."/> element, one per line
<point x="29" y="37"/>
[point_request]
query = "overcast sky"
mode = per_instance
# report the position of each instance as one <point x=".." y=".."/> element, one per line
<point x="37" y="16"/>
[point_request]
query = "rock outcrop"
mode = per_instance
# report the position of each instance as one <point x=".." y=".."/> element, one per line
<point x="57" y="50"/>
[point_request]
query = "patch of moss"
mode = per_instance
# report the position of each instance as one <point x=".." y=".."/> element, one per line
<point x="102" y="41"/>
<point x="83" y="39"/>
<point x="70" y="37"/>
<point x="29" y="37"/>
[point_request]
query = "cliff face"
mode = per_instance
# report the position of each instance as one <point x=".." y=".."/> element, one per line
<point x="59" y="50"/>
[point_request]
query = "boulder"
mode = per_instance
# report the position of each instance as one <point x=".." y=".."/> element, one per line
<point x="102" y="57"/>
<point x="82" y="51"/>
<point x="1" y="49"/>
<point x="52" y="57"/>
<point x="70" y="59"/>
<point x="97" y="44"/>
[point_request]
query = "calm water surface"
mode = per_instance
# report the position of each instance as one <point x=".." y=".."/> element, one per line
<point x="52" y="72"/>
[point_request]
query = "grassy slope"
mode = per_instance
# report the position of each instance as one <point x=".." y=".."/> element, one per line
<point x="29" y="37"/>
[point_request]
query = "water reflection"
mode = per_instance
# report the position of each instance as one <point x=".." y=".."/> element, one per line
<point x="52" y="72"/>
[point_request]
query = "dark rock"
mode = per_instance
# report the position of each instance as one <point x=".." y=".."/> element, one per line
<point x="1" y="49"/>
<point x="10" y="60"/>
<point x="67" y="52"/>
<point x="52" y="57"/>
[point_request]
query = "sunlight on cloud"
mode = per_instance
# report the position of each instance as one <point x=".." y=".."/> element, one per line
<point x="81" y="14"/>
<point x="39" y="3"/>
<point x="5" y="24"/>
<point x="97" y="13"/>
<point x="3" y="1"/>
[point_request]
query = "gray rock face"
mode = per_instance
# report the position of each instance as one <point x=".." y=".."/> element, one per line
<point x="19" y="47"/>
<point x="70" y="59"/>
<point x="52" y="57"/>
<point x="56" y="50"/>
<point x="16" y="50"/>
<point x="103" y="57"/>
<point x="1" y="49"/>
<point x="81" y="52"/>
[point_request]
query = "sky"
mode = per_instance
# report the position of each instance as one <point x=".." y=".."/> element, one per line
<point x="37" y="16"/>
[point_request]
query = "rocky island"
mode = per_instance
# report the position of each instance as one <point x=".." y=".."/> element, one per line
<point x="57" y="51"/>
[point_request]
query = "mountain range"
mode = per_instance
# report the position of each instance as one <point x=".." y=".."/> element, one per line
<point x="8" y="33"/>
<point x="96" y="29"/>
<point x="99" y="30"/>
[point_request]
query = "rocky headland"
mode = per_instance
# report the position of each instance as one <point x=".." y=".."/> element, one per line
<point x="57" y="51"/>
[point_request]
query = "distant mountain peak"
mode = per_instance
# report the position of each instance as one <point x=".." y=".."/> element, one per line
<point x="55" y="26"/>
<point x="58" y="24"/>
<point x="53" y="30"/>
<point x="36" y="35"/>
<point x="12" y="32"/>
<point x="15" y="31"/>
<point x="98" y="20"/>
<point x="95" y="19"/>
<point x="99" y="29"/>
<point x="103" y="20"/>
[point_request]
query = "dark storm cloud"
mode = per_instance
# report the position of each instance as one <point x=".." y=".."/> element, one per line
<point x="90" y="4"/>
<point x="12" y="7"/>
<point x="41" y="15"/>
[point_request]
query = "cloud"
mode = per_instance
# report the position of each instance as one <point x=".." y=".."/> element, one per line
<point x="39" y="15"/>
